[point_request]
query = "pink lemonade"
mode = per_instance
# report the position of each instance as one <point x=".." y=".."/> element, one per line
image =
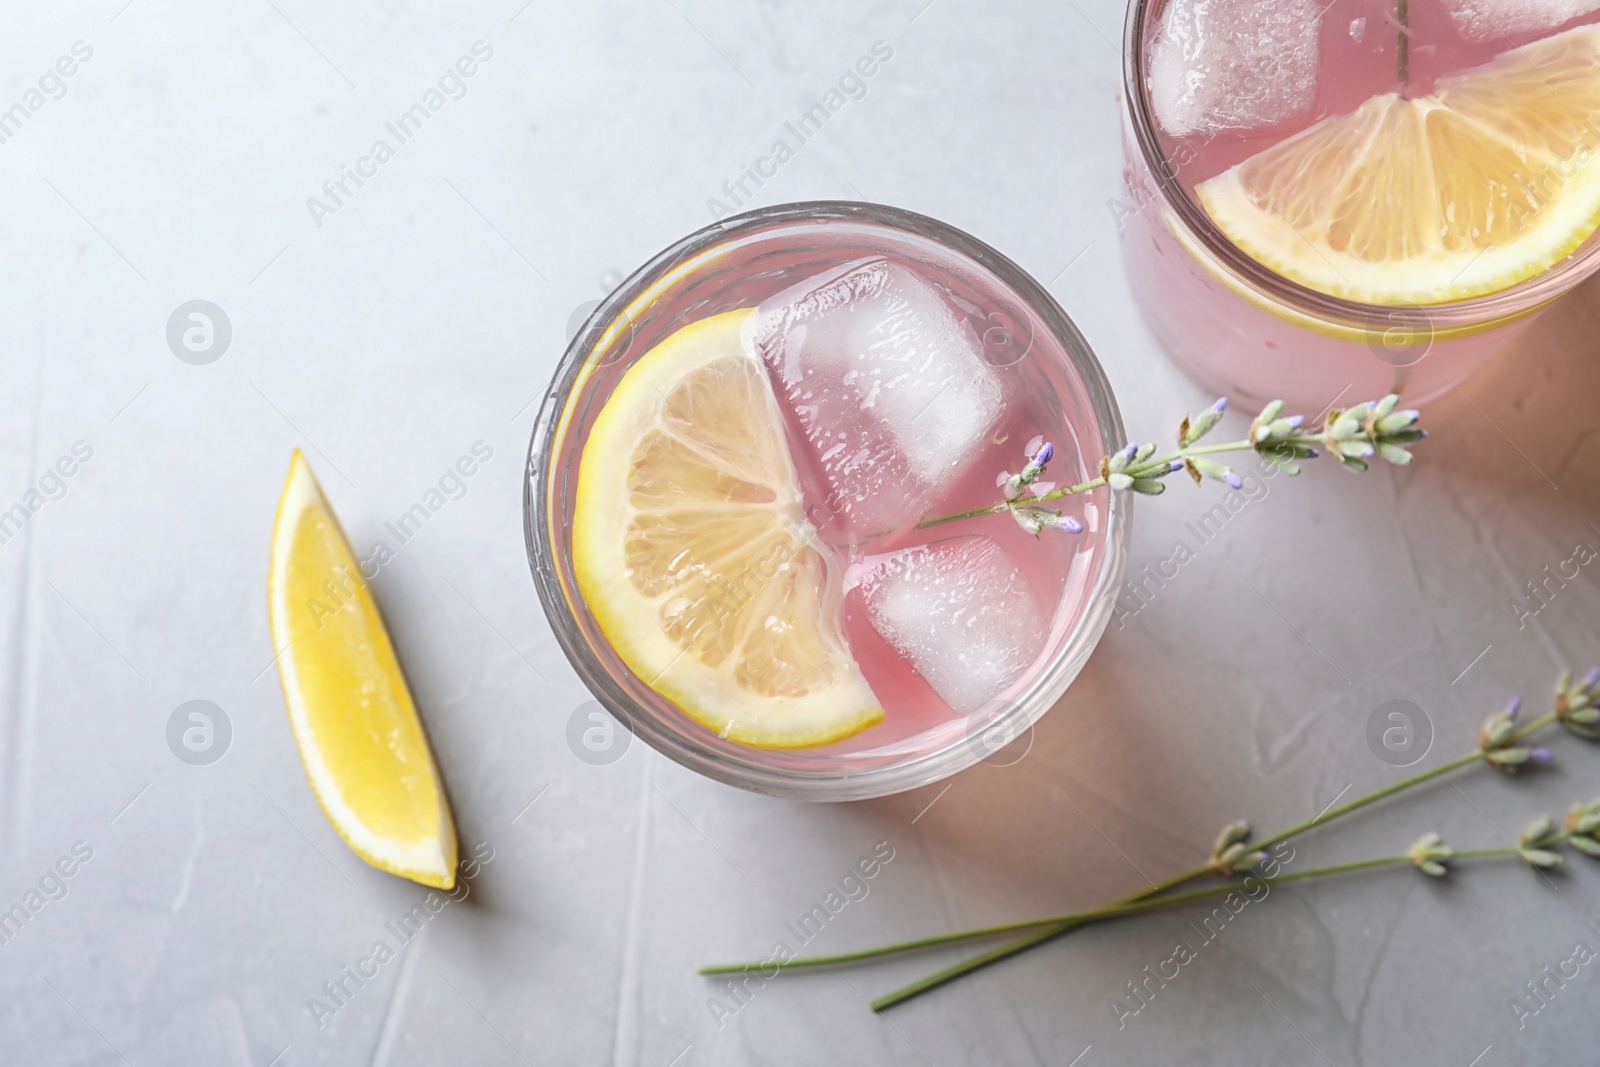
<point x="909" y="379"/>
<point x="866" y="511"/>
<point x="1213" y="83"/>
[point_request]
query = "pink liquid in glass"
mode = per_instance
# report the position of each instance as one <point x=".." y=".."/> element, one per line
<point x="1054" y="566"/>
<point x="1039" y="393"/>
<point x="1241" y="346"/>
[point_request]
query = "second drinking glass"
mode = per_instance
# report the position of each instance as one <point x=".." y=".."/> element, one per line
<point x="1340" y="200"/>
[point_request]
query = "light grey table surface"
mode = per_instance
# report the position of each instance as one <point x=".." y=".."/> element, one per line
<point x="425" y="312"/>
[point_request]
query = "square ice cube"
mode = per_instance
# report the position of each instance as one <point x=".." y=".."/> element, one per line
<point x="1234" y="64"/>
<point x="960" y="611"/>
<point x="889" y="387"/>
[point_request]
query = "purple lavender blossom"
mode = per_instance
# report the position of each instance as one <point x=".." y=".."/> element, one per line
<point x="1069" y="524"/>
<point x="1541" y="755"/>
<point x="1234" y="481"/>
<point x="1045" y="453"/>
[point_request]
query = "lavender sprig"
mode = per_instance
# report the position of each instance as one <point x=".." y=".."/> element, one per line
<point x="1234" y="853"/>
<point x="1428" y="854"/>
<point x="1582" y="826"/>
<point x="1355" y="435"/>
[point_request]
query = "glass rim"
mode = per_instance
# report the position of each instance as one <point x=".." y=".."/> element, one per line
<point x="1027" y="705"/>
<point x="1489" y="308"/>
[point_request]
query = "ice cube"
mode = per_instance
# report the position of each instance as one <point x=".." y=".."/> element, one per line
<point x="960" y="612"/>
<point x="889" y="387"/>
<point x="1491" y="20"/>
<point x="1233" y="64"/>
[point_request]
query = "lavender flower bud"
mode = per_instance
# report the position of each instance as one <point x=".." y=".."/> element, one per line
<point x="1513" y="707"/>
<point x="1542" y="755"/>
<point x="1069" y="524"/>
<point x="1231" y="834"/>
<point x="1575" y="705"/>
<point x="1536" y="831"/>
<point x="1429" y="854"/>
<point x="1236" y="859"/>
<point x="1202" y="424"/>
<point x="1029" y="519"/>
<point x="1046" y="452"/>
<point x="1346" y="426"/>
<point x="1582" y="719"/>
<point x="1213" y="470"/>
<point x="1532" y="842"/>
<point x="1583" y="820"/>
<point x="1400" y="420"/>
<point x="1233" y="480"/>
<point x="1508" y="759"/>
<point x="1221" y="405"/>
<point x="1496" y="732"/>
<point x="1587" y="845"/>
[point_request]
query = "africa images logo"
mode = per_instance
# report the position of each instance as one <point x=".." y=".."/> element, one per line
<point x="451" y="85"/>
<point x="852" y="85"/>
<point x="350" y="979"/>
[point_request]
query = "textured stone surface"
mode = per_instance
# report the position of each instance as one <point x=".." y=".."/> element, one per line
<point x="426" y="314"/>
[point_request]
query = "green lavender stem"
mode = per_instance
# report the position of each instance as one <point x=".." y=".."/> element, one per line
<point x="1400" y="786"/>
<point x="1353" y="436"/>
<point x="1063" y="926"/>
<point x="1111" y="911"/>
<point x="1402" y="15"/>
<point x="1114" y="912"/>
<point x="1081" y="918"/>
<point x="1155" y="463"/>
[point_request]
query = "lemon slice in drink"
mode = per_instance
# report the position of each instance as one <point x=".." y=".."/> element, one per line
<point x="691" y="548"/>
<point x="1485" y="183"/>
<point x="349" y="707"/>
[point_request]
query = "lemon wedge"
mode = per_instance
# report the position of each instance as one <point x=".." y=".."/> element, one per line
<point x="349" y="708"/>
<point x="691" y="548"/>
<point x="1488" y="181"/>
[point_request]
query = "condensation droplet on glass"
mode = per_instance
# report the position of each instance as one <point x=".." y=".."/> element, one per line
<point x="1358" y="29"/>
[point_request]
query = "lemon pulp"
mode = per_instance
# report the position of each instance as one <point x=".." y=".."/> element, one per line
<point x="1488" y="181"/>
<point x="691" y="549"/>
